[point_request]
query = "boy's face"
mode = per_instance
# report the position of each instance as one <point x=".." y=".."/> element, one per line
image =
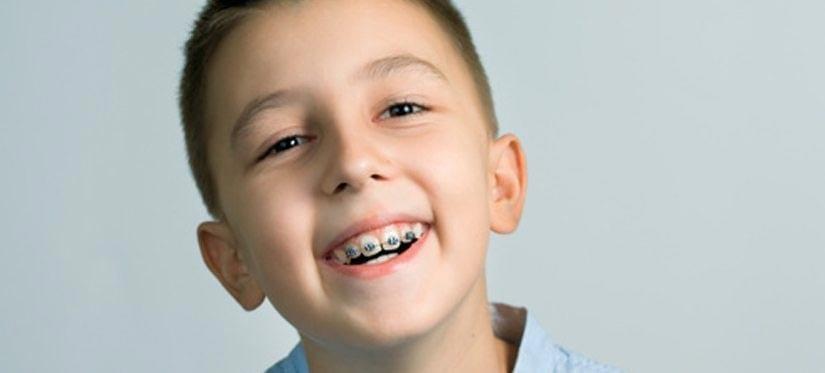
<point x="340" y="67"/>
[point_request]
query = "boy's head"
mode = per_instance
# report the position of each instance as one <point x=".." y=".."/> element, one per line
<point x="308" y="122"/>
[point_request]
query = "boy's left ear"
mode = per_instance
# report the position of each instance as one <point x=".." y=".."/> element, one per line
<point x="508" y="183"/>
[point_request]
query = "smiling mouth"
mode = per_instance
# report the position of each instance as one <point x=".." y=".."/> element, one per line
<point x="379" y="245"/>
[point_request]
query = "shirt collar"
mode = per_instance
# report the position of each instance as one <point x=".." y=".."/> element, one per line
<point x="536" y="350"/>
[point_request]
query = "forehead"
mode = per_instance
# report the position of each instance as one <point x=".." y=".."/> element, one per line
<point x="316" y="46"/>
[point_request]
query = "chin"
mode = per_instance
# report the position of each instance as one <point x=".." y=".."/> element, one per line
<point x="387" y="329"/>
<point x="391" y="334"/>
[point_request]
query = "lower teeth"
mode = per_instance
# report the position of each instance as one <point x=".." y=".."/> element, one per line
<point x="381" y="259"/>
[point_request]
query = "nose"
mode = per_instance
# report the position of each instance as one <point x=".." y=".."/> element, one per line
<point x="353" y="161"/>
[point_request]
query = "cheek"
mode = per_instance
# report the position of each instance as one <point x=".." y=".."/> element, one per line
<point x="452" y="167"/>
<point x="453" y="162"/>
<point x="277" y="223"/>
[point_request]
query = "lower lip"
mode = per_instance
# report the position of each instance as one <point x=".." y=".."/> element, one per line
<point x="368" y="272"/>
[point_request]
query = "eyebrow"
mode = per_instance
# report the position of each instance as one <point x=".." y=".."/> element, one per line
<point x="386" y="66"/>
<point x="377" y="69"/>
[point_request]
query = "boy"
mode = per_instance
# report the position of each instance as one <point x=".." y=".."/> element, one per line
<point x="348" y="151"/>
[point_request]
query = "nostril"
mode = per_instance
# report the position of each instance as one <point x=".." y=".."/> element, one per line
<point x="343" y="185"/>
<point x="340" y="187"/>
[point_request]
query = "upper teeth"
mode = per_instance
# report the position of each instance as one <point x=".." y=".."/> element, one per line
<point x="407" y="233"/>
<point x="390" y="239"/>
<point x="350" y="252"/>
<point x="368" y="244"/>
<point x="418" y="229"/>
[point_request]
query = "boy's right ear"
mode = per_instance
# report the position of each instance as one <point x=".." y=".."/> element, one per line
<point x="223" y="258"/>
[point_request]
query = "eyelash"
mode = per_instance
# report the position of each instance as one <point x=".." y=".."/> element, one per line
<point x="412" y="109"/>
<point x="405" y="103"/>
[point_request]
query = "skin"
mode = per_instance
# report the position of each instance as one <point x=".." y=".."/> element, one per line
<point x="355" y="160"/>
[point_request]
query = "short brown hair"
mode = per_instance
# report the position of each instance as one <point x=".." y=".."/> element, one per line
<point x="218" y="17"/>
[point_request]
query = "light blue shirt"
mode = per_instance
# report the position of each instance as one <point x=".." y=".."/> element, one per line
<point x="536" y="350"/>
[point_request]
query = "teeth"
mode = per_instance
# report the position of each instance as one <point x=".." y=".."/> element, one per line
<point x="391" y="240"/>
<point x="381" y="259"/>
<point x="341" y="256"/>
<point x="407" y="233"/>
<point x="352" y="252"/>
<point x="418" y="229"/>
<point x="392" y="237"/>
<point x="370" y="245"/>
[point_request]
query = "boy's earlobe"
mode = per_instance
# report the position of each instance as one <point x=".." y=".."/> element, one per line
<point x="222" y="257"/>
<point x="508" y="180"/>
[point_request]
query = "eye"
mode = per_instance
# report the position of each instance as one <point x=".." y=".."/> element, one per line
<point x="402" y="109"/>
<point x="285" y="144"/>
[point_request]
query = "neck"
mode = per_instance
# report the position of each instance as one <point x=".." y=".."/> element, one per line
<point x="463" y="342"/>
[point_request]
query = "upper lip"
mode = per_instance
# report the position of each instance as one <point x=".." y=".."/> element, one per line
<point x="365" y="225"/>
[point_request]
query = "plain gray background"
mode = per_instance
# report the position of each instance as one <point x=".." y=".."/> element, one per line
<point x="675" y="207"/>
